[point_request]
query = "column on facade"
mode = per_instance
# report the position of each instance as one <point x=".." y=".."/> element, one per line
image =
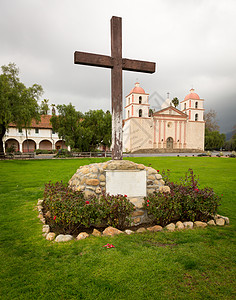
<point x="180" y="135"/>
<point x="4" y="147"/>
<point x="164" y="127"/>
<point x="53" y="144"/>
<point x="175" y="141"/>
<point x="159" y="140"/>
<point x="21" y="146"/>
<point x="185" y="124"/>
<point x="154" y="133"/>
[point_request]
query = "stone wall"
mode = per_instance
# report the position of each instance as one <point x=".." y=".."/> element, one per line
<point x="91" y="179"/>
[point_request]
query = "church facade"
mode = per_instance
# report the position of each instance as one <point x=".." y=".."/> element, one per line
<point x="166" y="130"/>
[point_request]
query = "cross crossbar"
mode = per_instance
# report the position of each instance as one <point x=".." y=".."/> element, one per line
<point x="105" y="61"/>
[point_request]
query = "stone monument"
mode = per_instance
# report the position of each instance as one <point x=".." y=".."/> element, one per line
<point x="119" y="177"/>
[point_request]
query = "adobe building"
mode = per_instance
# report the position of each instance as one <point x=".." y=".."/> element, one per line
<point x="166" y="130"/>
<point x="40" y="136"/>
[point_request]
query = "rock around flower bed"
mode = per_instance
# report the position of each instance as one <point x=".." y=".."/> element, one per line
<point x="110" y="231"/>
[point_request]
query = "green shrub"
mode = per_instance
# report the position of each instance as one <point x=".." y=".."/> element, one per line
<point x="116" y="210"/>
<point x="18" y="152"/>
<point x="66" y="210"/>
<point x="63" y="153"/>
<point x="10" y="149"/>
<point x="185" y="202"/>
<point x="40" y="151"/>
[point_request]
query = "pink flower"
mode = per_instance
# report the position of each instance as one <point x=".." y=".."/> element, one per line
<point x="196" y="190"/>
<point x="87" y="202"/>
<point x="109" y="246"/>
<point x="54" y="218"/>
<point x="147" y="204"/>
<point x="158" y="171"/>
<point x="125" y="196"/>
<point x="148" y="201"/>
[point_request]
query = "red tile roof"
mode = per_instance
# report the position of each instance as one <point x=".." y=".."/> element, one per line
<point x="44" y="123"/>
<point x="192" y="95"/>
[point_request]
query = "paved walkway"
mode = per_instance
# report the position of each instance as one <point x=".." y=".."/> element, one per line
<point x="51" y="156"/>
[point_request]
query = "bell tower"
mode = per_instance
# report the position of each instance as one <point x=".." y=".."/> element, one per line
<point x="193" y="106"/>
<point x="137" y="105"/>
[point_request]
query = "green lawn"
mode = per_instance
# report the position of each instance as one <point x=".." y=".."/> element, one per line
<point x="193" y="264"/>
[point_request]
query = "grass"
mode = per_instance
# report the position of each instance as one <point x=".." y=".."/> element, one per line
<point x="193" y="264"/>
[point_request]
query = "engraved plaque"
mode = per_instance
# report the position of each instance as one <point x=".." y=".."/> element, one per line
<point x="126" y="182"/>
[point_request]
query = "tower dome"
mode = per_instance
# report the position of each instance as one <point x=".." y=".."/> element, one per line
<point x="192" y="95"/>
<point x="137" y="89"/>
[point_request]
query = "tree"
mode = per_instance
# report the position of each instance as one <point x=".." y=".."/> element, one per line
<point x="214" y="140"/>
<point x="99" y="124"/>
<point x="151" y="112"/>
<point x="18" y="104"/>
<point x="231" y="144"/>
<point x="175" y="101"/>
<point x="210" y="121"/>
<point x="84" y="132"/>
<point x="44" y="107"/>
<point x="68" y="125"/>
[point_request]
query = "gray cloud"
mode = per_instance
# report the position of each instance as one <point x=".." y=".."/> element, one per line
<point x="191" y="41"/>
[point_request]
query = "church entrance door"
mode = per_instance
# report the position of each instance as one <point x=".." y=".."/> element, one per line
<point x="169" y="143"/>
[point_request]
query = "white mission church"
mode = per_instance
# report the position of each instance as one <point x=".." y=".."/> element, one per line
<point x="167" y="130"/>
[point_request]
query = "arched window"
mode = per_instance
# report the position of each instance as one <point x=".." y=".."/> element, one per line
<point x="140" y="100"/>
<point x="184" y="105"/>
<point x="196" y="117"/>
<point x="140" y="113"/>
<point x="196" y="105"/>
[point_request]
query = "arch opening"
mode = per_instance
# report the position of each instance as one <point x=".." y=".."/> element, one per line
<point x="45" y="145"/>
<point x="12" y="145"/>
<point x="28" y="146"/>
<point x="169" y="143"/>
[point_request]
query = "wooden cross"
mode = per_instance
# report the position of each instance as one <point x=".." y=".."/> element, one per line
<point x="116" y="63"/>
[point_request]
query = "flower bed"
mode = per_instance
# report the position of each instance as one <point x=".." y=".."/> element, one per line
<point x="66" y="211"/>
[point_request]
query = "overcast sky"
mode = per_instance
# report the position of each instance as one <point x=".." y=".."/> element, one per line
<point x="192" y="42"/>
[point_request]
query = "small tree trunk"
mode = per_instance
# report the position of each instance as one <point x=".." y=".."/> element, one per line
<point x="27" y="141"/>
<point x="2" y="133"/>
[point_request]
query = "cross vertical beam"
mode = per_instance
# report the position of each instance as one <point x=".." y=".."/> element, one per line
<point x="116" y="63"/>
<point x="116" y="87"/>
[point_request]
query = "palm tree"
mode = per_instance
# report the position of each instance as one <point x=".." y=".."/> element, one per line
<point x="175" y="101"/>
<point x="44" y="107"/>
